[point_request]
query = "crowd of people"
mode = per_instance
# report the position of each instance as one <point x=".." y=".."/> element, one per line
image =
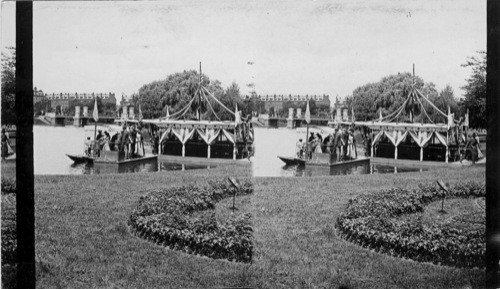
<point x="129" y="141"/>
<point x="341" y="143"/>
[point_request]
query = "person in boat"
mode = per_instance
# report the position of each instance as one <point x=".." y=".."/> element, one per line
<point x="133" y="140"/>
<point x="317" y="143"/>
<point x="351" y="145"/>
<point x="88" y="146"/>
<point x="125" y="142"/>
<point x="344" y="140"/>
<point x="300" y="149"/>
<point x="5" y="144"/>
<point x="139" y="147"/>
<point x="112" y="141"/>
<point x="331" y="145"/>
<point x="311" y="137"/>
<point x="105" y="141"/>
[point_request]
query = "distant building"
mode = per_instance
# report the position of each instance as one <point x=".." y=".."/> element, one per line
<point x="64" y="99"/>
<point x="126" y="108"/>
<point x="277" y="101"/>
<point x="340" y="110"/>
<point x="38" y="95"/>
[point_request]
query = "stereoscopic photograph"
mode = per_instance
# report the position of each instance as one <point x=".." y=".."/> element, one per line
<point x="244" y="144"/>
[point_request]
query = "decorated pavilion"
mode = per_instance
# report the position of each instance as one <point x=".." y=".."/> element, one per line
<point x="179" y="136"/>
<point x="388" y="137"/>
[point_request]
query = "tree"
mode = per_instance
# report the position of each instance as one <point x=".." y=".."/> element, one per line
<point x="475" y="91"/>
<point x="43" y="105"/>
<point x="388" y="95"/>
<point x="177" y="90"/>
<point x="9" y="86"/>
<point x="444" y="100"/>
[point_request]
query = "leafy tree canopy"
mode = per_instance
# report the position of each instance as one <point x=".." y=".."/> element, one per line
<point x="475" y="91"/>
<point x="177" y="90"/>
<point x="391" y="91"/>
<point x="9" y="86"/>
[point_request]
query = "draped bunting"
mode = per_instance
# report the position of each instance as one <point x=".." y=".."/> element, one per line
<point x="164" y="135"/>
<point x="400" y="137"/>
<point x="209" y="136"/>
<point x="415" y="137"/>
<point x="392" y="136"/>
<point x="425" y="137"/>
<point x="441" y="138"/>
<point x="228" y="135"/>
<point x="377" y="136"/>
<point x="183" y="134"/>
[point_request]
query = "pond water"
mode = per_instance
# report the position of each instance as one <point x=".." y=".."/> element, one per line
<point x="51" y="144"/>
<point x="281" y="141"/>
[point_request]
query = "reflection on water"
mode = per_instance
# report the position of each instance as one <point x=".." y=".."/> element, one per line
<point x="90" y="169"/>
<point x="354" y="169"/>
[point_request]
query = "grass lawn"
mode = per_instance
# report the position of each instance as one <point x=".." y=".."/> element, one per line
<point x="82" y="238"/>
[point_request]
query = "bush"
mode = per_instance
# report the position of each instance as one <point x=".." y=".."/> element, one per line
<point x="9" y="236"/>
<point x="8" y="186"/>
<point x="370" y="220"/>
<point x="183" y="218"/>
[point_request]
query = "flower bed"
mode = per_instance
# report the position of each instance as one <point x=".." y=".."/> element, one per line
<point x="371" y="221"/>
<point x="183" y="218"/>
<point x="9" y="242"/>
<point x="8" y="186"/>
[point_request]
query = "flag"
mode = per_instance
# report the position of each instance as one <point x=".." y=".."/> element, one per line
<point x="140" y="112"/>
<point x="307" y="115"/>
<point x="450" y="118"/>
<point x="466" y="121"/>
<point x="95" y="113"/>
<point x="237" y="117"/>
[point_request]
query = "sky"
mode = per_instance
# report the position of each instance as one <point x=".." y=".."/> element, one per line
<point x="283" y="47"/>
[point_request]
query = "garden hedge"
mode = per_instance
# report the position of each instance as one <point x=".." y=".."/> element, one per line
<point x="9" y="236"/>
<point x="183" y="218"/>
<point x="8" y="186"/>
<point x="371" y="220"/>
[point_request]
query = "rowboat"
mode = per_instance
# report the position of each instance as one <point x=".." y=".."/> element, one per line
<point x="107" y="157"/>
<point x="292" y="161"/>
<point x="80" y="158"/>
<point x="321" y="159"/>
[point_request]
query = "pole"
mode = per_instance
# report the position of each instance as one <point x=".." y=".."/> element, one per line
<point x="492" y="256"/>
<point x="307" y="141"/>
<point x="25" y="197"/>
<point x="199" y="96"/>
<point x="95" y="132"/>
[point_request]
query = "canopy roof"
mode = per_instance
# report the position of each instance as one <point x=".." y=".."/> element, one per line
<point x="403" y="126"/>
<point x="171" y="123"/>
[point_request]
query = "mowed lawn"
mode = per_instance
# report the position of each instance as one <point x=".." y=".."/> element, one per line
<point x="83" y="241"/>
